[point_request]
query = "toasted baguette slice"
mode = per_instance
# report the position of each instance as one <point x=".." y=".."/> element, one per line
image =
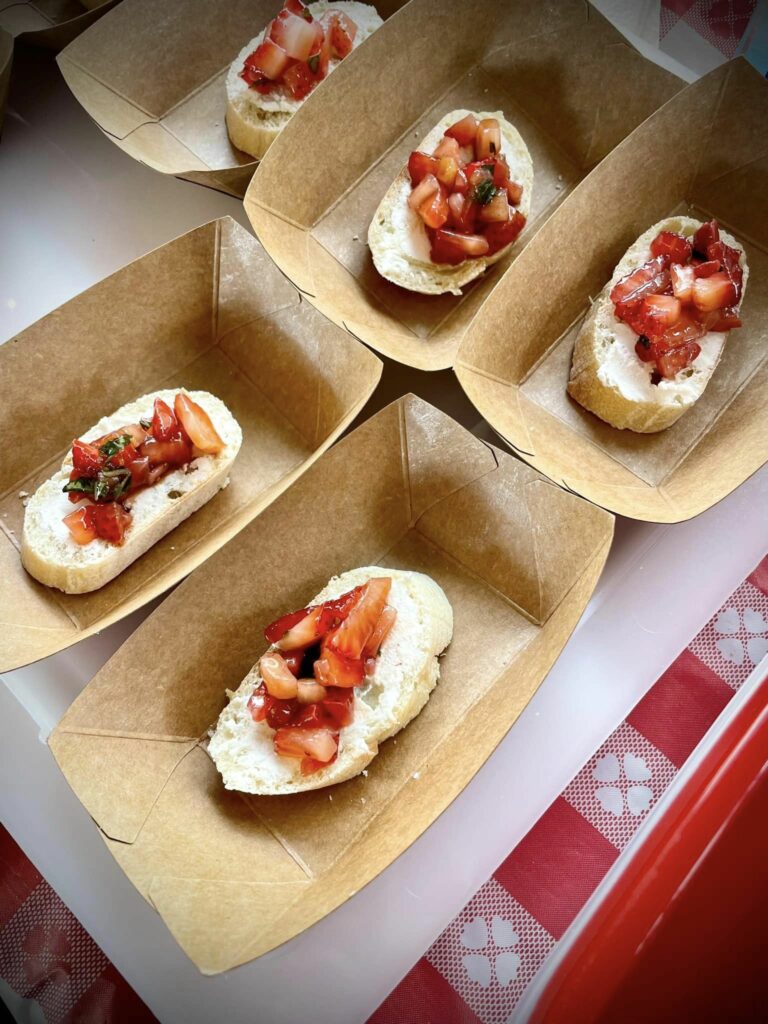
<point x="406" y="673"/>
<point x="254" y="120"/>
<point x="606" y="375"/>
<point x="397" y="236"/>
<point x="48" y="551"/>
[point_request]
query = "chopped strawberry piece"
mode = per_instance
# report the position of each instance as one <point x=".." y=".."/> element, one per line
<point x="124" y="458"/>
<point x="197" y="424"/>
<point x="463" y="214"/>
<point x="500" y="172"/>
<point x="496" y="211"/>
<point x="140" y="472"/>
<point x="704" y="237"/>
<point x="280" y="713"/>
<point x="81" y="524"/>
<point x="461" y="183"/>
<point x="86" y="458"/>
<point x="342" y="31"/>
<point x="294" y="34"/>
<point x="502" y="234"/>
<point x="671" y="247"/>
<point x="665" y="309"/>
<point x="447" y="169"/>
<point x="176" y="452"/>
<point x="434" y="210"/>
<point x="447" y="147"/>
<point x="722" y="319"/>
<point x="257" y="703"/>
<point x="353" y="633"/>
<point x="334" y="712"/>
<point x="423" y="191"/>
<point x="111" y="521"/>
<point x="707" y="268"/>
<point x="420" y="165"/>
<point x="319" y="744"/>
<point x="268" y="60"/>
<point x="677" y="359"/>
<point x="164" y="425"/>
<point x="452" y="247"/>
<point x="514" y="193"/>
<point x="381" y="632"/>
<point x="297" y="7"/>
<point x="487" y="138"/>
<point x="299" y="80"/>
<point x="334" y="669"/>
<point x="278" y="678"/>
<point x="309" y="691"/>
<point x="276" y="630"/>
<point x="730" y="260"/>
<point x="649" y="279"/>
<point x="310" y="765"/>
<point x="464" y="131"/>
<point x="682" y="282"/>
<point x="293" y="660"/>
<point x="686" y="330"/>
<point x="714" y="292"/>
<point x="308" y="630"/>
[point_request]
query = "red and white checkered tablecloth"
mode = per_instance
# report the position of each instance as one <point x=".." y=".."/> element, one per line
<point x="477" y="970"/>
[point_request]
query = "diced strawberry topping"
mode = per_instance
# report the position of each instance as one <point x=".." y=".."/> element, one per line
<point x="381" y="632"/>
<point x="354" y="632"/>
<point x="671" y="363"/>
<point x="299" y="80"/>
<point x="111" y="521"/>
<point x="672" y="247"/>
<point x="309" y="691"/>
<point x="176" y="452"/>
<point x="297" y="7"/>
<point x="514" y="193"/>
<point x="714" y="292"/>
<point x="682" y="282"/>
<point x="649" y="279"/>
<point x="464" y="131"/>
<point x="86" y="458"/>
<point x="268" y="60"/>
<point x="197" y="425"/>
<point x="454" y="247"/>
<point x="319" y="744"/>
<point x="420" y="165"/>
<point x="499" y="235"/>
<point x="341" y="31"/>
<point x="334" y="669"/>
<point x="82" y="524"/>
<point x="708" y="233"/>
<point x="434" y="210"/>
<point x="278" y="678"/>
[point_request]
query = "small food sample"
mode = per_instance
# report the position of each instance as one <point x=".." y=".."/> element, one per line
<point x="654" y="336"/>
<point x="457" y="207"/>
<point x="340" y="676"/>
<point x="126" y="483"/>
<point x="273" y="75"/>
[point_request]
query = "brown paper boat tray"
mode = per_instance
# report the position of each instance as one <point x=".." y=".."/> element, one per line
<point x="518" y="558"/>
<point x="208" y="310"/>
<point x="50" y="23"/>
<point x="560" y="72"/>
<point x="704" y="153"/>
<point x="170" y="115"/>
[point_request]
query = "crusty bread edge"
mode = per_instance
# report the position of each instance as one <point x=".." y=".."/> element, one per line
<point x="605" y="400"/>
<point x="434" y="278"/>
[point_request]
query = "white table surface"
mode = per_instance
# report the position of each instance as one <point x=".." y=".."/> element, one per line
<point x="75" y="208"/>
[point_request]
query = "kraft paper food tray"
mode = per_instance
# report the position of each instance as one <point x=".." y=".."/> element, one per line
<point x="706" y="153"/>
<point x="50" y="23"/>
<point x="560" y="72"/>
<point x="235" y="876"/>
<point x="208" y="311"/>
<point x="170" y="115"/>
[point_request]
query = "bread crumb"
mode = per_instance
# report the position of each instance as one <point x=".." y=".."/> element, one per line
<point x="355" y="238"/>
<point x="559" y="177"/>
<point x="23" y="494"/>
<point x="365" y="772"/>
<point x="362" y="800"/>
<point x="416" y="775"/>
<point x="330" y="796"/>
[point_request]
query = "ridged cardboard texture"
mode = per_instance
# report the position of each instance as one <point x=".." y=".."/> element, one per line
<point x="518" y="558"/>
<point x="705" y="153"/>
<point x="558" y="70"/>
<point x="209" y="311"/>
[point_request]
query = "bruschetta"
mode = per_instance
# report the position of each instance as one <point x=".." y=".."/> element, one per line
<point x="127" y="482"/>
<point x="457" y="207"/>
<point x="655" y="334"/>
<point x="275" y="72"/>
<point x="340" y="676"/>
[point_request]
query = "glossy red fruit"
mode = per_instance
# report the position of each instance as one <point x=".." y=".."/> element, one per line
<point x="514" y="193"/>
<point x="278" y="678"/>
<point x="111" y="521"/>
<point x="722" y="319"/>
<point x="500" y="235"/>
<point x="297" y="7"/>
<point x="197" y="424"/>
<point x="487" y="138"/>
<point x="708" y="233"/>
<point x="682" y="281"/>
<point x="293" y="660"/>
<point x="342" y="31"/>
<point x="464" y="131"/>
<point x="729" y="259"/>
<point x="276" y="630"/>
<point x="706" y="269"/>
<point x="164" y="425"/>
<point x="299" y="80"/>
<point x="81" y="524"/>
<point x="309" y="691"/>
<point x="334" y="669"/>
<point x="268" y="60"/>
<point x="381" y="632"/>
<point x="352" y="635"/>
<point x="124" y="458"/>
<point x="420" y="165"/>
<point x="672" y="247"/>
<point x="319" y="744"/>
<point x="176" y="452"/>
<point x="293" y="34"/>
<point x="714" y="292"/>
<point x="677" y="359"/>
<point x="280" y="713"/>
<point x="257" y="703"/>
<point x="434" y="211"/>
<point x="649" y="279"/>
<point x="87" y="460"/>
<point x="454" y="247"/>
<point x="310" y="765"/>
<point x="310" y="628"/>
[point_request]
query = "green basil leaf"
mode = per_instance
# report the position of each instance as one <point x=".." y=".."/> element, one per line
<point x="82" y="485"/>
<point x="484" y="192"/>
<point x="115" y="445"/>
